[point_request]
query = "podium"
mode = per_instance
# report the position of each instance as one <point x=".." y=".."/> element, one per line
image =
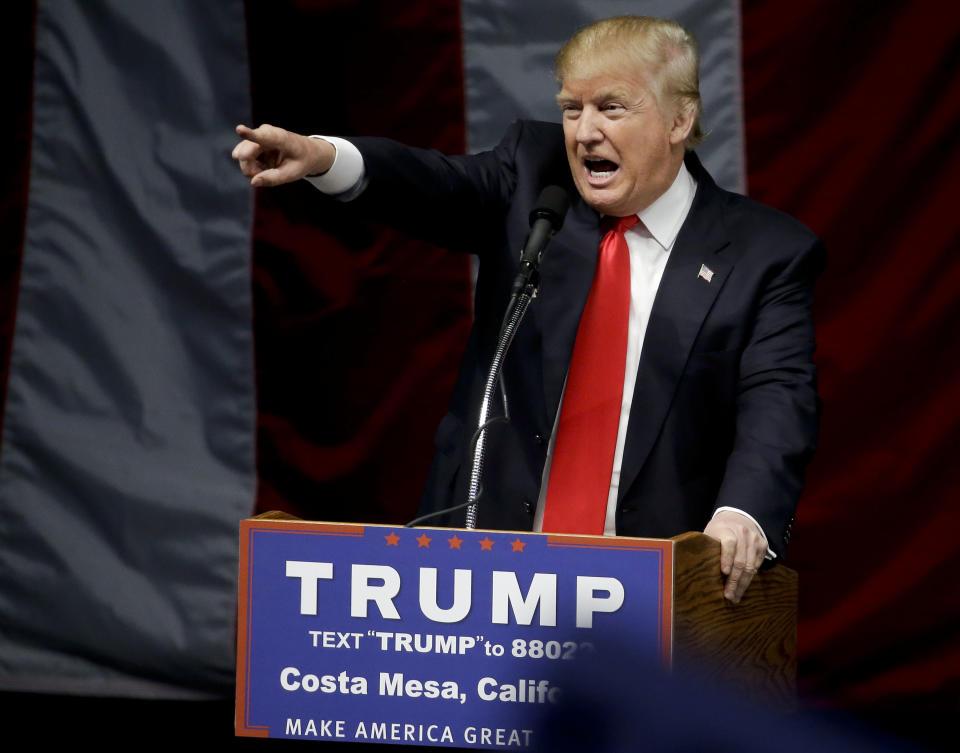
<point x="456" y="638"/>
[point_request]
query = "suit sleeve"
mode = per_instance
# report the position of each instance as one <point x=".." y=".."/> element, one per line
<point x="777" y="406"/>
<point x="447" y="200"/>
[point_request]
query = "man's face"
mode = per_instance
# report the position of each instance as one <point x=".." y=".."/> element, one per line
<point x="623" y="151"/>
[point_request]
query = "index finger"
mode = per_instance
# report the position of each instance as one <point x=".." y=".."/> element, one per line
<point x="264" y="135"/>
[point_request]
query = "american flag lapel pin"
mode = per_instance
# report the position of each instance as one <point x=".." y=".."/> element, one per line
<point x="705" y="273"/>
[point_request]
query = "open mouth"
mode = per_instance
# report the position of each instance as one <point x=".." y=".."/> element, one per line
<point x="600" y="168"/>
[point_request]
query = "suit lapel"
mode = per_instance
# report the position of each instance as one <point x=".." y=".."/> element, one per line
<point x="566" y="274"/>
<point x="682" y="302"/>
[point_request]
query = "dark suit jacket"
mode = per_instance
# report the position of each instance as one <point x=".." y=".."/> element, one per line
<point x="725" y="410"/>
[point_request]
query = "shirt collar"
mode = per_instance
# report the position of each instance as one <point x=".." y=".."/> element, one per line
<point x="664" y="217"/>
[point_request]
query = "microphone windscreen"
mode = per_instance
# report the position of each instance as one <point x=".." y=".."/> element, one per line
<point x="552" y="205"/>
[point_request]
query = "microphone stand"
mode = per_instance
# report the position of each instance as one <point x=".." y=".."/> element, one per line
<point x="524" y="290"/>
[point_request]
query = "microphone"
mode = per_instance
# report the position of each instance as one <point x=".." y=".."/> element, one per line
<point x="545" y="220"/>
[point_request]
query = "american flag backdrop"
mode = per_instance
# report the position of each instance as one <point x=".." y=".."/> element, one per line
<point x="179" y="353"/>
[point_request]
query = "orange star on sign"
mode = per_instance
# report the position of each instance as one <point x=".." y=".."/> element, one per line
<point x="486" y="543"/>
<point x="392" y="539"/>
<point x="518" y="545"/>
<point x="423" y="541"/>
<point x="455" y="542"/>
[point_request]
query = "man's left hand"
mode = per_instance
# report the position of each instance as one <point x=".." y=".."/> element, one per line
<point x="742" y="550"/>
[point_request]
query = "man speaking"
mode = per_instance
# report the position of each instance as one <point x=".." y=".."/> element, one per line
<point x="663" y="380"/>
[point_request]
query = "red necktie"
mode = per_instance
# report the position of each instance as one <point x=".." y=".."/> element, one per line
<point x="582" y="461"/>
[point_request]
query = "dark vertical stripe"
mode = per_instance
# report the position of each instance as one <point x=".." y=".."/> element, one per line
<point x="359" y="330"/>
<point x="18" y="54"/>
<point x="852" y="114"/>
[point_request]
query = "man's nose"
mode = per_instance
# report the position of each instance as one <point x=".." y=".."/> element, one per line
<point x="588" y="127"/>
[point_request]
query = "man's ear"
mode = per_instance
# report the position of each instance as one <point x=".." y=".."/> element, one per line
<point x="682" y="121"/>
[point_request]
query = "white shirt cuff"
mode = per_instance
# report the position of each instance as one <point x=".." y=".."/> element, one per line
<point x="771" y="555"/>
<point x="345" y="174"/>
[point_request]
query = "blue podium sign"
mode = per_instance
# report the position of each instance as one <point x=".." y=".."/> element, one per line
<point x="432" y="636"/>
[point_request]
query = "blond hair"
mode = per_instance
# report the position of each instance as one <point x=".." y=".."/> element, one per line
<point x="665" y="51"/>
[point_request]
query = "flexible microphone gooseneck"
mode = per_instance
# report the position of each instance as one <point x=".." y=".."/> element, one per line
<point x="546" y="218"/>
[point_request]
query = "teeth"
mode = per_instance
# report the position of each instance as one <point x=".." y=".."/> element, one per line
<point x="600" y="173"/>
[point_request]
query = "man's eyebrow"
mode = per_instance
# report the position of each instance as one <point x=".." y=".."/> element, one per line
<point x="605" y="95"/>
<point x="601" y="95"/>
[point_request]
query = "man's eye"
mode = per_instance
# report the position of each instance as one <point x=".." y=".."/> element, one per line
<point x="569" y="111"/>
<point x="612" y="107"/>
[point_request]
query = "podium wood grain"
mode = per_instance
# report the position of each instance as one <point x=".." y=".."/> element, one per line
<point x="751" y="646"/>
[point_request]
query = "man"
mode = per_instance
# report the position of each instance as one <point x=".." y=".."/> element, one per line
<point x="718" y="409"/>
